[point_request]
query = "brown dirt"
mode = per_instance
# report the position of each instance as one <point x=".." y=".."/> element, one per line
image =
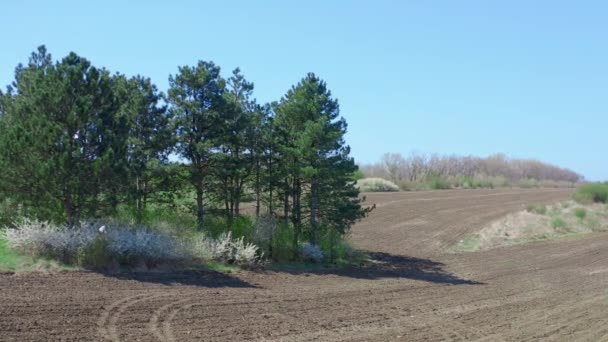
<point x="416" y="291"/>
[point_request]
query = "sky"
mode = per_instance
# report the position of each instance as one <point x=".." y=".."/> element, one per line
<point x="524" y="78"/>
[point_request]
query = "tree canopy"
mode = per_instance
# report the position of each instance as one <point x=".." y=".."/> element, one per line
<point x="77" y="141"/>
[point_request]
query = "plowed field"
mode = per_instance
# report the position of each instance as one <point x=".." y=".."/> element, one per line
<point x="416" y="290"/>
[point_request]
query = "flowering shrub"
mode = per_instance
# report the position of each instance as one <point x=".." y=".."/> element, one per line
<point x="376" y="185"/>
<point x="141" y="243"/>
<point x="312" y="253"/>
<point x="43" y="238"/>
<point x="227" y="249"/>
<point x="72" y="244"/>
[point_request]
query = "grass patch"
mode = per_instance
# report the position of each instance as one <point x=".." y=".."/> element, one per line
<point x="537" y="209"/>
<point x="11" y="261"/>
<point x="470" y="243"/>
<point x="221" y="267"/>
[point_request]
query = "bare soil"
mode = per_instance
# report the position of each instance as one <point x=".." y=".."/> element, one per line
<point x="416" y="290"/>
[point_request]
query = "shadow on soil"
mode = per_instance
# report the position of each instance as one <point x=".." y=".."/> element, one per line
<point x="202" y="278"/>
<point x="384" y="265"/>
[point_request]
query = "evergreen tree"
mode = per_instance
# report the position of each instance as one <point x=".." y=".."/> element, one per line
<point x="196" y="97"/>
<point x="234" y="158"/>
<point x="61" y="139"/>
<point x="149" y="138"/>
<point x="318" y="159"/>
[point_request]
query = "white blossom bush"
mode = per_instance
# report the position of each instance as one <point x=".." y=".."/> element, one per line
<point x="43" y="238"/>
<point x="66" y="242"/>
<point x="98" y="242"/>
<point x="141" y="243"/>
<point x="312" y="253"/>
<point x="226" y="249"/>
<point x="376" y="185"/>
<point x="245" y="253"/>
<point x="29" y="235"/>
<point x="134" y="243"/>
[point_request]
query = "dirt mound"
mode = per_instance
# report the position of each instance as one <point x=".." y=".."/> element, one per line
<point x="538" y="223"/>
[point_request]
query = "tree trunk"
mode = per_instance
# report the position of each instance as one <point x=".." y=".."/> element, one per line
<point x="286" y="204"/>
<point x="145" y="196"/>
<point x="296" y="212"/>
<point x="70" y="214"/>
<point x="313" y="211"/>
<point x="138" y="194"/>
<point x="257" y="188"/>
<point x="200" y="214"/>
<point x="237" y="199"/>
<point x="299" y="211"/>
<point x="139" y="200"/>
<point x="270" y="186"/>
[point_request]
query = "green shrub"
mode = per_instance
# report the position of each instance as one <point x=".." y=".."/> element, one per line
<point x="594" y="192"/>
<point x="282" y="244"/>
<point x="537" y="209"/>
<point x="438" y="183"/>
<point x="528" y="183"/>
<point x="242" y="226"/>
<point x="489" y="182"/>
<point x="581" y="213"/>
<point x="558" y="222"/>
<point x="468" y="183"/>
<point x="95" y="255"/>
<point x="158" y="218"/>
<point x="333" y="246"/>
<point x="9" y="211"/>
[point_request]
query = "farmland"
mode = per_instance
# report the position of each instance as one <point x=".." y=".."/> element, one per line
<point x="414" y="287"/>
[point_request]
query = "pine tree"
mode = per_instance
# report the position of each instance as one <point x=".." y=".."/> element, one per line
<point x="196" y="97"/>
<point x="61" y="139"/>
<point x="234" y="157"/>
<point x="149" y="137"/>
<point x="318" y="160"/>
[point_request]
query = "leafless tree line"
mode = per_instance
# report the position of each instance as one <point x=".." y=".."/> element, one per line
<point x="421" y="167"/>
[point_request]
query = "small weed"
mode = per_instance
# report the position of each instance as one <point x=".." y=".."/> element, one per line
<point x="558" y="223"/>
<point x="470" y="243"/>
<point x="581" y="213"/>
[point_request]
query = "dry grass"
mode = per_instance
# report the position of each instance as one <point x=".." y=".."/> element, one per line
<point x="559" y="220"/>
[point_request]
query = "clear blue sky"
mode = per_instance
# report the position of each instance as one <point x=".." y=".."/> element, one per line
<point x="527" y="78"/>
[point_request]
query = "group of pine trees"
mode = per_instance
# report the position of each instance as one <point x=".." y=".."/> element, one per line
<point x="77" y="141"/>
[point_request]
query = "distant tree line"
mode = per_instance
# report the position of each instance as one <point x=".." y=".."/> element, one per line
<point x="496" y="169"/>
<point x="77" y="141"/>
